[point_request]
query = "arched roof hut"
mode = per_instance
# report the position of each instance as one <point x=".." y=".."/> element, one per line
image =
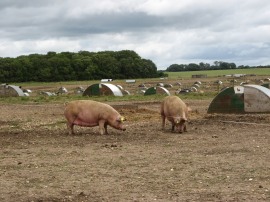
<point x="7" y="90"/>
<point x="157" y="90"/>
<point x="102" y="89"/>
<point x="241" y="99"/>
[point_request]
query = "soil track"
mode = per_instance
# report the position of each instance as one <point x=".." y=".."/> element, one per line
<point x="220" y="158"/>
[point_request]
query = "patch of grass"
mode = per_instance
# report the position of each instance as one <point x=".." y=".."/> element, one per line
<point x="62" y="83"/>
<point x="217" y="73"/>
<point x="36" y="98"/>
<point x="67" y="98"/>
<point x="198" y="96"/>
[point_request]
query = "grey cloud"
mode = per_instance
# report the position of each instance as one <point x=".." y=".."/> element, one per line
<point x="227" y="30"/>
<point x="111" y="23"/>
<point x="9" y="4"/>
<point x="55" y="22"/>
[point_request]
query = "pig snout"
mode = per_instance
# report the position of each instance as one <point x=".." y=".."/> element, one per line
<point x="122" y="127"/>
<point x="179" y="129"/>
<point x="181" y="125"/>
<point x="118" y="124"/>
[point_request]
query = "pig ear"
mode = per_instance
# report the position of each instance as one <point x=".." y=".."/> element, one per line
<point x="122" y="119"/>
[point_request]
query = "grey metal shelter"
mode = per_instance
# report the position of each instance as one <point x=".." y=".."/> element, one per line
<point x="7" y="90"/>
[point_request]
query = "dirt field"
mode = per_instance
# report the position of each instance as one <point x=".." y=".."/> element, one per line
<point x="218" y="159"/>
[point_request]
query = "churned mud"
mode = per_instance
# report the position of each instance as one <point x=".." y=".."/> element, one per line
<point x="221" y="157"/>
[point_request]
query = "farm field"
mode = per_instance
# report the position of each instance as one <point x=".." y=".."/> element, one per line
<point x="221" y="73"/>
<point x="222" y="157"/>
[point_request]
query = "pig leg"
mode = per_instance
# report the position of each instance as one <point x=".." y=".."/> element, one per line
<point x="173" y="126"/>
<point x="106" y="126"/>
<point x="180" y="129"/>
<point x="185" y="128"/>
<point x="163" y="122"/>
<point x="70" y="122"/>
<point x="70" y="127"/>
<point x="102" y="129"/>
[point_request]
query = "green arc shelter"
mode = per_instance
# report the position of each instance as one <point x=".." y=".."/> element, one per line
<point x="241" y="99"/>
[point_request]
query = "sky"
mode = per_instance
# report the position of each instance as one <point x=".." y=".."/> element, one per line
<point x="164" y="31"/>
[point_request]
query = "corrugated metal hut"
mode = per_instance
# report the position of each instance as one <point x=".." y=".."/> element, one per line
<point x="256" y="98"/>
<point x="157" y="90"/>
<point x="160" y="84"/>
<point x="92" y="90"/>
<point x="266" y="85"/>
<point x="102" y="89"/>
<point x="130" y="81"/>
<point x="62" y="90"/>
<point x="79" y="90"/>
<point x="241" y="99"/>
<point x="125" y="92"/>
<point x="10" y="91"/>
<point x="106" y="80"/>
<point x="168" y="85"/>
<point x="46" y="93"/>
<point x="229" y="100"/>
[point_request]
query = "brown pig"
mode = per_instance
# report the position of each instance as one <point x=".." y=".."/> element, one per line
<point x="176" y="111"/>
<point x="88" y="113"/>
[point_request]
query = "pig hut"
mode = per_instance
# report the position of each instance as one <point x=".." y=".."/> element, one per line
<point x="10" y="91"/>
<point x="157" y="90"/>
<point x="241" y="99"/>
<point x="102" y="89"/>
<point x="266" y="85"/>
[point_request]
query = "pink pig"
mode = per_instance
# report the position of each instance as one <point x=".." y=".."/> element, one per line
<point x="88" y="113"/>
<point x="176" y="111"/>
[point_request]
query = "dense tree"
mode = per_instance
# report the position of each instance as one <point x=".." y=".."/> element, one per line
<point x="217" y="65"/>
<point x="83" y="65"/>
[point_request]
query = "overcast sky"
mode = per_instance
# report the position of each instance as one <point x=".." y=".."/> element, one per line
<point x="164" y="31"/>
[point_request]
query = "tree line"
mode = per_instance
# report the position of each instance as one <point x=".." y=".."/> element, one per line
<point x="217" y="65"/>
<point x="84" y="65"/>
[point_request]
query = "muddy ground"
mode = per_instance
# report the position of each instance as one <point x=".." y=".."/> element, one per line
<point x="220" y="158"/>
